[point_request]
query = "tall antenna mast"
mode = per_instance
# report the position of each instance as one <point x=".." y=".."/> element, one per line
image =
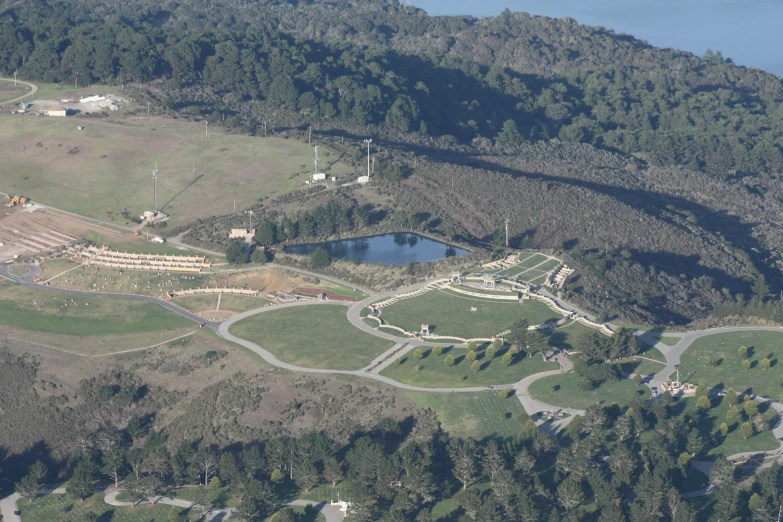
<point x="506" y="232"/>
<point x="368" y="156"/>
<point x="155" y="186"/>
<point x="315" y="159"/>
<point x="249" y="219"/>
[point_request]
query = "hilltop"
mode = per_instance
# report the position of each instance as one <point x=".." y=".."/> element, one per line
<point x="655" y="170"/>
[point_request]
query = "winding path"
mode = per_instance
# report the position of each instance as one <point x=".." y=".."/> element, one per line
<point x="531" y="405"/>
<point x="9" y="505"/>
<point x="33" y="90"/>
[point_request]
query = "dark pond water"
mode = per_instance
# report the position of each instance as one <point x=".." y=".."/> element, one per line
<point x="388" y="249"/>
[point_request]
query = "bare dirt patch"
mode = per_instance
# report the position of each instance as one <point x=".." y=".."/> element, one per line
<point x="202" y="387"/>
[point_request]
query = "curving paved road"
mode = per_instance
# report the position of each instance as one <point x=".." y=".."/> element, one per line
<point x="33" y="90"/>
<point x="9" y="505"/>
<point x="531" y="405"/>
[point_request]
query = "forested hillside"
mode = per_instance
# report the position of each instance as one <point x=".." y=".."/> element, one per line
<point x="656" y="170"/>
<point x="377" y="63"/>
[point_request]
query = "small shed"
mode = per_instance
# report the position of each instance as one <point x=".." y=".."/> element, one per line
<point x="363" y="179"/>
<point x="319" y="177"/>
<point x="57" y="112"/>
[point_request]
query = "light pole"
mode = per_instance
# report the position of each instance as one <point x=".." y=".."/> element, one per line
<point x="368" y="141"/>
<point x="155" y="187"/>
<point x="15" y="79"/>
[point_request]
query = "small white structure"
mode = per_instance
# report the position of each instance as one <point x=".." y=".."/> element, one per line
<point x="363" y="179"/>
<point x="158" y="239"/>
<point x="242" y="233"/>
<point x="89" y="99"/>
<point x="150" y="216"/>
<point x="319" y="177"/>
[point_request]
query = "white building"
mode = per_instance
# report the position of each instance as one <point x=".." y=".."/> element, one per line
<point x="242" y="233"/>
<point x="319" y="177"/>
<point x="363" y="179"/>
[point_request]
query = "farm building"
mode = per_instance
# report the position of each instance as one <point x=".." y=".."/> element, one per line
<point x="242" y="233"/>
<point x="57" y="112"/>
<point x="363" y="179"/>
<point x="319" y="177"/>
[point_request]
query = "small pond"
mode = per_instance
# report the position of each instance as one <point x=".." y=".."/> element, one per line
<point x="388" y="249"/>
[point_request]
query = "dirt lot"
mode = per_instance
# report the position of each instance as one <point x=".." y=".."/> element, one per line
<point x="35" y="230"/>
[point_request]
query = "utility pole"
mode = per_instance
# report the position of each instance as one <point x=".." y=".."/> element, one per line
<point x="77" y="81"/>
<point x="373" y="164"/>
<point x="506" y="233"/>
<point x="368" y="141"/>
<point x="155" y="187"/>
<point x="148" y="109"/>
<point x="206" y="128"/>
<point x="310" y="134"/>
<point x="14" y="79"/>
<point x="249" y="219"/>
<point x="264" y="122"/>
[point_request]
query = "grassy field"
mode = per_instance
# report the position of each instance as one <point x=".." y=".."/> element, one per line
<point x="478" y="415"/>
<point x="312" y="336"/>
<point x="9" y="92"/>
<point x="54" y="267"/>
<point x="140" y="244"/>
<point x="733" y="442"/>
<point x="128" y="281"/>
<point x="342" y="290"/>
<point x="433" y="373"/>
<point x="451" y="314"/>
<point x="644" y="366"/>
<point x="230" y="303"/>
<point x="561" y="390"/>
<point x="714" y="361"/>
<point x="100" y="344"/>
<point x="197" y="176"/>
<point x="46" y="311"/>
<point x="18" y="270"/>
<point x="566" y="336"/>
<point x="63" y="508"/>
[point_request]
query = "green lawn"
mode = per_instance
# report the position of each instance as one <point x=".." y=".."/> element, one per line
<point x="45" y="311"/>
<point x="451" y="314"/>
<point x="229" y="303"/>
<point x="644" y="366"/>
<point x="733" y="442"/>
<point x="528" y="260"/>
<point x="561" y="390"/>
<point x="312" y="336"/>
<point x="433" y="373"/>
<point x="63" y="508"/>
<point x="18" y="270"/>
<point x="566" y="336"/>
<point x="9" y="92"/>
<point x="390" y="331"/>
<point x="55" y="267"/>
<point x="714" y="361"/>
<point x="475" y="414"/>
<point x="198" y="177"/>
<point x="127" y="243"/>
